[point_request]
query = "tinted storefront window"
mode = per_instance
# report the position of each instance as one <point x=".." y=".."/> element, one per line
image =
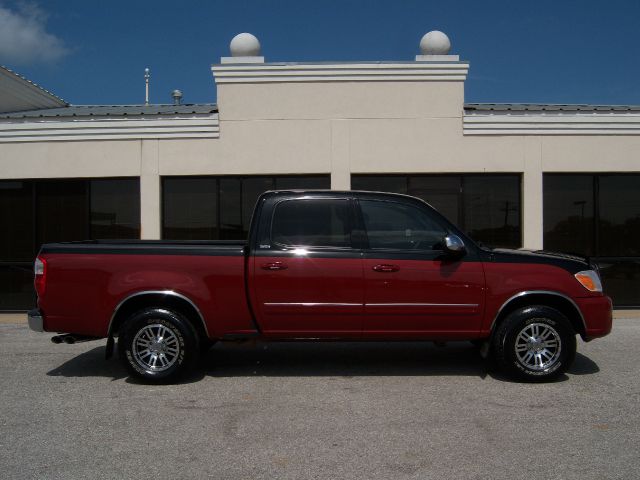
<point x="487" y="207"/>
<point x="190" y="208"/>
<point x="17" y="244"/>
<point x="211" y="208"/>
<point x="598" y="216"/>
<point x="115" y="208"/>
<point x="40" y="211"/>
<point x="569" y="213"/>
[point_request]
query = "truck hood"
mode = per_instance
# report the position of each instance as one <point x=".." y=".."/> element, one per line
<point x="572" y="263"/>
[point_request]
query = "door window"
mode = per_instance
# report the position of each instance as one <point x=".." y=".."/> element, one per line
<point x="312" y="223"/>
<point x="392" y="225"/>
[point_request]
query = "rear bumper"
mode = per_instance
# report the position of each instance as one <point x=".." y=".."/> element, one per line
<point x="36" y="322"/>
<point x="598" y="316"/>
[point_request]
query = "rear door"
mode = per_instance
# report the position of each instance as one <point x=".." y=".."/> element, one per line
<point x="307" y="278"/>
<point x="412" y="287"/>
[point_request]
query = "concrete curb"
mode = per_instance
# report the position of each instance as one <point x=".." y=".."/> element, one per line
<point x="13" y="318"/>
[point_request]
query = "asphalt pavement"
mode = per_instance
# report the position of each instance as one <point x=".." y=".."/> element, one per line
<point x="318" y="410"/>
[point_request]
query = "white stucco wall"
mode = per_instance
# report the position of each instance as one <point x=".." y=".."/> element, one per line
<point x="334" y="125"/>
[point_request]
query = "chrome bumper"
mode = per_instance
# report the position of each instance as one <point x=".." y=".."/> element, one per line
<point x="35" y="321"/>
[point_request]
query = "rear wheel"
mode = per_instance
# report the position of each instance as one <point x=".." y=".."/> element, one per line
<point x="535" y="343"/>
<point x="158" y="345"/>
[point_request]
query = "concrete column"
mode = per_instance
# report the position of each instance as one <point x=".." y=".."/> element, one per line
<point x="340" y="155"/>
<point x="532" y="222"/>
<point x="149" y="190"/>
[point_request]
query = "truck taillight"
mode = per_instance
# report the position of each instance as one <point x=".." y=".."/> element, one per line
<point x="40" y="271"/>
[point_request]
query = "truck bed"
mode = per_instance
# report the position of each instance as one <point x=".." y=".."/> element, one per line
<point x="88" y="280"/>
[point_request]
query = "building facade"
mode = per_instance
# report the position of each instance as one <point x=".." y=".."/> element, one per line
<point x="559" y="177"/>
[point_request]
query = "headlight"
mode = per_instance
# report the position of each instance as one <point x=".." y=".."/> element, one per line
<point x="590" y="280"/>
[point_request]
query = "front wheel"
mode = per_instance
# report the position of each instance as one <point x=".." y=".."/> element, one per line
<point x="535" y="343"/>
<point x="158" y="345"/>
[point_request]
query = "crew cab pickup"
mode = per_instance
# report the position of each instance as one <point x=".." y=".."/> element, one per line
<point x="321" y="265"/>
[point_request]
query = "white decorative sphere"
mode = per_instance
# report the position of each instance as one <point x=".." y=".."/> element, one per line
<point x="245" y="45"/>
<point x="435" y="43"/>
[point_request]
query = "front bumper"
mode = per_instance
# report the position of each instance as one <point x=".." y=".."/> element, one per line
<point x="36" y="322"/>
<point x="598" y="316"/>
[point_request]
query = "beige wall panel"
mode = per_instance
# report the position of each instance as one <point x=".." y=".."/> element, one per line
<point x="252" y="147"/>
<point x="338" y="100"/>
<point x="428" y="145"/>
<point x="532" y="194"/>
<point x="112" y="158"/>
<point x="605" y="153"/>
<point x="150" y="208"/>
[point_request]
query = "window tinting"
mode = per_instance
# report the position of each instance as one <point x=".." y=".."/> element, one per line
<point x="486" y="206"/>
<point x="231" y="209"/>
<point x="210" y="208"/>
<point x="17" y="241"/>
<point x="569" y="213"/>
<point x="62" y="210"/>
<point x="619" y="215"/>
<point x="394" y="225"/>
<point x="442" y="192"/>
<point x="16" y="286"/>
<point x="598" y="215"/>
<point x="189" y="208"/>
<point x="312" y="223"/>
<point x="492" y="209"/>
<point x="115" y="208"/>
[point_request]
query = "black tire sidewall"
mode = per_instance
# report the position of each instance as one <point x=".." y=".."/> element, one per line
<point x="181" y="328"/>
<point x="514" y="324"/>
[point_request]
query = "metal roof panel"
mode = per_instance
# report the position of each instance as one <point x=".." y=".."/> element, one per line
<point x="115" y="111"/>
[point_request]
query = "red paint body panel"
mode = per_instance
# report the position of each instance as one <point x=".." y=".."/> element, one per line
<point x="597" y="316"/>
<point x="312" y="297"/>
<point x="505" y="280"/>
<point x="317" y="297"/>
<point x="83" y="290"/>
<point x="423" y="297"/>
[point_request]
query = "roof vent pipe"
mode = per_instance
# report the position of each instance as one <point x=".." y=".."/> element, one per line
<point x="177" y="97"/>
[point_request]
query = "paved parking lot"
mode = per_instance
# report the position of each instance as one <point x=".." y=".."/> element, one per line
<point x="389" y="411"/>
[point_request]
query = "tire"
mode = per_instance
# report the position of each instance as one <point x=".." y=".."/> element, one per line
<point x="158" y="345"/>
<point x="535" y="343"/>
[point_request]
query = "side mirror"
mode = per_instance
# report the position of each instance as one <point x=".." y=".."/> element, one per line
<point x="454" y="245"/>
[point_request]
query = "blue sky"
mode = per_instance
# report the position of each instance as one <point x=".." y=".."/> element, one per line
<point x="95" y="52"/>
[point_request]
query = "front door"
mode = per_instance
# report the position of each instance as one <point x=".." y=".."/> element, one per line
<point x="411" y="287"/>
<point x="307" y="281"/>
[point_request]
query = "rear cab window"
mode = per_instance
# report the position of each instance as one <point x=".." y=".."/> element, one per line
<point x="312" y="222"/>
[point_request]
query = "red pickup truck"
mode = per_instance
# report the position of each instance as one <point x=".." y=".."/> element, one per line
<point x="321" y="265"/>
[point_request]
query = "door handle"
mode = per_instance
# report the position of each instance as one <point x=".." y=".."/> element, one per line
<point x="386" y="268"/>
<point x="274" y="266"/>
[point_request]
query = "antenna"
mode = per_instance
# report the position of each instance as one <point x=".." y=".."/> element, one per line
<point x="146" y="86"/>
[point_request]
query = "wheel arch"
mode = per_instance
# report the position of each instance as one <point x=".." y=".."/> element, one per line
<point x="157" y="298"/>
<point x="557" y="300"/>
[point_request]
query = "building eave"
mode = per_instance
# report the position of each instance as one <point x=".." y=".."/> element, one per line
<point x="18" y="93"/>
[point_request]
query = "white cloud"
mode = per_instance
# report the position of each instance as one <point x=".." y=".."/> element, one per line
<point x="24" y="39"/>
